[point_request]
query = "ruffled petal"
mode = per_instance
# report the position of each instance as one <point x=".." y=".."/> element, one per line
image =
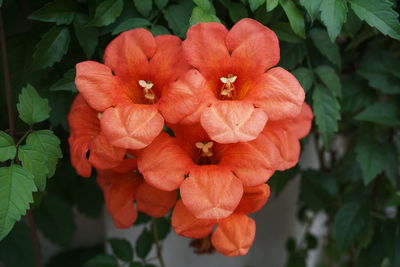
<point x="97" y="84"/>
<point x="254" y="47"/>
<point x="164" y="163"/>
<point x="119" y="194"/>
<point x="253" y="199"/>
<point x="205" y="48"/>
<point x="153" y="201"/>
<point x="132" y="126"/>
<point x="233" y="121"/>
<point x="185" y="224"/>
<point x="278" y="93"/>
<point x="234" y="235"/>
<point x="189" y="97"/>
<point x="211" y="192"/>
<point x="78" y="150"/>
<point x="287" y="144"/>
<point x="82" y="119"/>
<point x="168" y="63"/>
<point x="252" y="162"/>
<point x="128" y="54"/>
<point x="103" y="155"/>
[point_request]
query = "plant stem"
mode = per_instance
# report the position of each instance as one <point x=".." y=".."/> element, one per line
<point x="13" y="132"/>
<point x="6" y="76"/>
<point x="157" y="242"/>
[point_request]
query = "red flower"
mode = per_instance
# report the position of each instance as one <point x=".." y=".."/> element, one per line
<point x="86" y="137"/>
<point x="124" y="185"/>
<point x="233" y="235"/>
<point x="234" y="90"/>
<point x="128" y="87"/>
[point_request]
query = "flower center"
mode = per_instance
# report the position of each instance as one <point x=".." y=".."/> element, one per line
<point x="205" y="148"/>
<point x="228" y="88"/>
<point x="148" y="92"/>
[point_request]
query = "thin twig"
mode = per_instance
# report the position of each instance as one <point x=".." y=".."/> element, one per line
<point x="6" y="76"/>
<point x="13" y="132"/>
<point x="157" y="242"/>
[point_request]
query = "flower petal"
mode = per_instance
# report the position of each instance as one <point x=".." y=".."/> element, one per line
<point x="79" y="146"/>
<point x="153" y="201"/>
<point x="211" y="192"/>
<point x="185" y="224"/>
<point x="103" y="155"/>
<point x="253" y="199"/>
<point x="278" y="93"/>
<point x="97" y="84"/>
<point x="205" y="48"/>
<point x="119" y="193"/>
<point x="164" y="163"/>
<point x="234" y="235"/>
<point x="132" y="126"/>
<point x="128" y="54"/>
<point x="233" y="121"/>
<point x="167" y="64"/>
<point x="254" y="47"/>
<point x="252" y="162"/>
<point x="189" y="98"/>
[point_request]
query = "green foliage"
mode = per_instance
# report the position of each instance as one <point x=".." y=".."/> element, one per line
<point x="7" y="147"/>
<point x="342" y="52"/>
<point x="31" y="107"/>
<point x="122" y="249"/>
<point x="16" y="187"/>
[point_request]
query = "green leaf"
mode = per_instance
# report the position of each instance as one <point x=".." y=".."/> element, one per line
<point x="294" y="55"/>
<point x="131" y="23"/>
<point x="331" y="80"/>
<point x="7" y="147"/>
<point x="371" y="156"/>
<point x="16" y="187"/>
<point x="317" y="190"/>
<point x="280" y="179"/>
<point x="51" y="48"/>
<point x="305" y="77"/>
<point x="326" y="110"/>
<point x="107" y="12"/>
<point x="31" y="107"/>
<point x="348" y="224"/>
<point x="381" y="113"/>
<point x="66" y="83"/>
<point x="312" y="7"/>
<point x="237" y="11"/>
<point x="333" y="15"/>
<point x="380" y="70"/>
<point x="121" y="248"/>
<point x="88" y="37"/>
<point x="35" y="162"/>
<point x="163" y="227"/>
<point x="203" y="12"/>
<point x="272" y="4"/>
<point x="102" y="260"/>
<point x="136" y="264"/>
<point x="285" y="33"/>
<point x="143" y="6"/>
<point x="16" y="249"/>
<point x="178" y="17"/>
<point x="378" y="14"/>
<point x="254" y="4"/>
<point x="48" y="144"/>
<point x="55" y="220"/>
<point x="59" y="11"/>
<point x="144" y="243"/>
<point x="161" y="3"/>
<point x="295" y="17"/>
<point x="322" y="42"/>
<point x="159" y="30"/>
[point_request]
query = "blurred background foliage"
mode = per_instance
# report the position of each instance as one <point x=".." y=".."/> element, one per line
<point x="345" y="53"/>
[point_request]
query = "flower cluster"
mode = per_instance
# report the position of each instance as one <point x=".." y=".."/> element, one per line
<point x="209" y="117"/>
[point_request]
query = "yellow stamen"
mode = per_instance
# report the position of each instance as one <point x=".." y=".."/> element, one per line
<point x="99" y="116"/>
<point x="205" y="148"/>
<point x="147" y="90"/>
<point x="228" y="88"/>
